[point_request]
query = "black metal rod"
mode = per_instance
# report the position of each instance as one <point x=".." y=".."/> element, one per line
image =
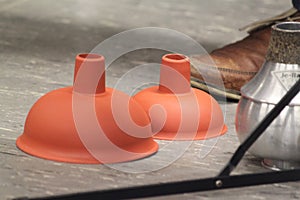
<point x="262" y="126"/>
<point x="172" y="188"/>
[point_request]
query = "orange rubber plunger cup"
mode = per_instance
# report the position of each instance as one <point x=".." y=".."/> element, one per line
<point x="177" y="111"/>
<point x="81" y="124"/>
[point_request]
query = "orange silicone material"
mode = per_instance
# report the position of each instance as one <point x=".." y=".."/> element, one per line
<point x="177" y="111"/>
<point x="50" y="130"/>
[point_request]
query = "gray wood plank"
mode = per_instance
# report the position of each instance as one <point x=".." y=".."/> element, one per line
<point x="38" y="43"/>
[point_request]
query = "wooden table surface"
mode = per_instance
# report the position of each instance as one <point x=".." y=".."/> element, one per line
<point x="38" y="43"/>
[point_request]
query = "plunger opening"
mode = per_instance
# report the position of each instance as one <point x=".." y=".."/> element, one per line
<point x="175" y="74"/>
<point x="287" y="27"/>
<point x="90" y="56"/>
<point x="92" y="73"/>
<point x="175" y="57"/>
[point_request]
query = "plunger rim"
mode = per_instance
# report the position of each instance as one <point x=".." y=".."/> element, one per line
<point x="40" y="153"/>
<point x="200" y="135"/>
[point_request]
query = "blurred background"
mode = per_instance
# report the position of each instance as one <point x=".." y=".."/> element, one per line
<point x="56" y="30"/>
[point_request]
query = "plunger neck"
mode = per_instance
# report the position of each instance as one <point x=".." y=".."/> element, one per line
<point x="175" y="74"/>
<point x="89" y="74"/>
